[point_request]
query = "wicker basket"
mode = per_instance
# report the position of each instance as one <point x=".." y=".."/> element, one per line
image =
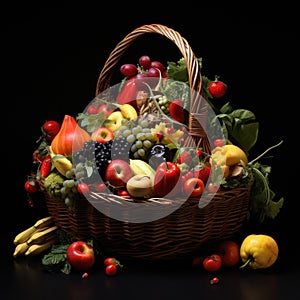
<point x="178" y="234"/>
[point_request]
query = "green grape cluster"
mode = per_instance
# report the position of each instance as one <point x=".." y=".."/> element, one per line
<point x="69" y="187"/>
<point x="139" y="135"/>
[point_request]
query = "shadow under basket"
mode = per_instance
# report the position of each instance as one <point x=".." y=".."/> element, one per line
<point x="174" y="236"/>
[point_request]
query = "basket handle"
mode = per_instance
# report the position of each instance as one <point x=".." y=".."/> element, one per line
<point x="198" y="108"/>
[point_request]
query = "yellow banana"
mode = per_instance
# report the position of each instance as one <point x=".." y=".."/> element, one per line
<point x="24" y="235"/>
<point x="20" y="249"/>
<point x="42" y="236"/>
<point x="128" y="111"/>
<point x="140" y="167"/>
<point x="36" y="249"/>
<point x="44" y="222"/>
<point x="61" y="162"/>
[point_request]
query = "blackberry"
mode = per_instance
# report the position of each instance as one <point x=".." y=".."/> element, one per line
<point x="120" y="149"/>
<point x="99" y="155"/>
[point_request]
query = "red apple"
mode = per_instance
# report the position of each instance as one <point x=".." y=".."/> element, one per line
<point x="118" y="172"/>
<point x="81" y="256"/>
<point x="102" y="134"/>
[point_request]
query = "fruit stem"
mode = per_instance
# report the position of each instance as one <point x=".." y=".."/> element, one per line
<point x="246" y="263"/>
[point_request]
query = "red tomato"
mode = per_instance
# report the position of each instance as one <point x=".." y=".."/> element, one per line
<point x="229" y="252"/>
<point x="203" y="173"/>
<point x="194" y="187"/>
<point x="111" y="270"/>
<point x="212" y="263"/>
<point x="99" y="187"/>
<point x="217" y="88"/>
<point x="83" y="188"/>
<point x="50" y="129"/>
<point x="110" y="261"/>
<point x="123" y="193"/>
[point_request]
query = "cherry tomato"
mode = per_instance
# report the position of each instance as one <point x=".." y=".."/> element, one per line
<point x="214" y="280"/>
<point x="110" y="261"/>
<point x="83" y="188"/>
<point x="31" y="186"/>
<point x="99" y="187"/>
<point x="212" y="263"/>
<point x="123" y="193"/>
<point x="204" y="173"/>
<point x="217" y="88"/>
<point x="50" y="129"/>
<point x="111" y="270"/>
<point x="194" y="186"/>
<point x="229" y="252"/>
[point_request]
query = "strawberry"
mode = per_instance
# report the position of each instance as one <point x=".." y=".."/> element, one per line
<point x="176" y="110"/>
<point x="45" y="167"/>
<point x="217" y="88"/>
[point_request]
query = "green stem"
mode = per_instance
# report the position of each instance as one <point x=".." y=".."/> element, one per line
<point x="261" y="155"/>
<point x="249" y="260"/>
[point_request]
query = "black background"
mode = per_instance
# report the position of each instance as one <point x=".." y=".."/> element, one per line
<point x="53" y="54"/>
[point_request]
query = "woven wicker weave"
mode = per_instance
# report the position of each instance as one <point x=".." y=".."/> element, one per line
<point x="185" y="229"/>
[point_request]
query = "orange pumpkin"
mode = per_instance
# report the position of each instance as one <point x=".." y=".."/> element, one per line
<point x="70" y="137"/>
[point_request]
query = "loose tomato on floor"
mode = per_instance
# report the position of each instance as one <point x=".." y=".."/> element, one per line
<point x="194" y="187"/>
<point x="111" y="270"/>
<point x="212" y="263"/>
<point x="229" y="252"/>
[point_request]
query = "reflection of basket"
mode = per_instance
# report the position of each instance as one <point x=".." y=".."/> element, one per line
<point x="188" y="227"/>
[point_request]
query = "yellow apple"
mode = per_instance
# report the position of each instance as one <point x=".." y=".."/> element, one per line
<point x="114" y="120"/>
